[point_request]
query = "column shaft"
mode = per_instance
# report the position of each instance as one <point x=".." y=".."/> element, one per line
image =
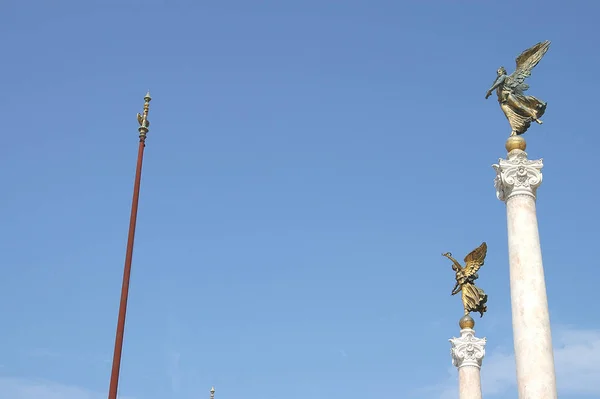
<point x="469" y="383"/>
<point x="531" y="320"/>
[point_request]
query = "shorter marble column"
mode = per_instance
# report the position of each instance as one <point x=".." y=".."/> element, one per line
<point x="467" y="354"/>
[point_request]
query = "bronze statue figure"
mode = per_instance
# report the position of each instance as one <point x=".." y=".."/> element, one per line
<point x="144" y="122"/>
<point x="519" y="109"/>
<point x="473" y="298"/>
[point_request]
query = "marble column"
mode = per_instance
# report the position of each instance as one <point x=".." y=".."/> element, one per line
<point x="517" y="180"/>
<point x="467" y="354"/>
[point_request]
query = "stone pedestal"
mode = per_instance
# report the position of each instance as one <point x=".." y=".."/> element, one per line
<point x="517" y="180"/>
<point x="467" y="354"/>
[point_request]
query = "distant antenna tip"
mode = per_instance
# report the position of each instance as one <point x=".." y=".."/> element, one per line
<point x="147" y="96"/>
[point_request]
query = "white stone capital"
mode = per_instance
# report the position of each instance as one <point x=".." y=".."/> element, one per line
<point x="467" y="350"/>
<point x="517" y="175"/>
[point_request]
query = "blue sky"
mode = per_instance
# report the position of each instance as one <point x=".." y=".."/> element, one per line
<point x="307" y="164"/>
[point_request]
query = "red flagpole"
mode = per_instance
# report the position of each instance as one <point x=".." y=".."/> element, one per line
<point x="116" y="365"/>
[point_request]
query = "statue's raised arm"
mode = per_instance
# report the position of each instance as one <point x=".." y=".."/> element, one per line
<point x="520" y="109"/>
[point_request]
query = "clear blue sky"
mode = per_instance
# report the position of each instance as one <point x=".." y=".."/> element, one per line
<point x="307" y="164"/>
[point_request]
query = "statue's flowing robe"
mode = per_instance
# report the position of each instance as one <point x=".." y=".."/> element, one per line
<point x="474" y="298"/>
<point x="519" y="109"/>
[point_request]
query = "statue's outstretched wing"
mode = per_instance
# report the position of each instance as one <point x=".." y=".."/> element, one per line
<point x="475" y="259"/>
<point x="525" y="63"/>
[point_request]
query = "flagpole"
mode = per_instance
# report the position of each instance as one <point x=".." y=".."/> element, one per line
<point x="116" y="365"/>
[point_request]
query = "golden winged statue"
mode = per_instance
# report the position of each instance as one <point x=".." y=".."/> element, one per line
<point x="519" y="109"/>
<point x="143" y="121"/>
<point x="473" y="298"/>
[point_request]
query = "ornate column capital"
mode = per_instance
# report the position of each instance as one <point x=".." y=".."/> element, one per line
<point x="517" y="175"/>
<point x="467" y="350"/>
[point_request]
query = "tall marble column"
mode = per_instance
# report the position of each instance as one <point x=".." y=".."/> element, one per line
<point x="467" y="354"/>
<point x="517" y="180"/>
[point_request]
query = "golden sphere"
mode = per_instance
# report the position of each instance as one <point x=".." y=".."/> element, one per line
<point x="515" y="143"/>
<point x="466" y="322"/>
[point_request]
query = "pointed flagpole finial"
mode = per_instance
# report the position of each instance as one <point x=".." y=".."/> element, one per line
<point x="147" y="96"/>
<point x="212" y="393"/>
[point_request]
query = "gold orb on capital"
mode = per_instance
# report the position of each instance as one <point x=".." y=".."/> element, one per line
<point x="466" y="322"/>
<point x="515" y="143"/>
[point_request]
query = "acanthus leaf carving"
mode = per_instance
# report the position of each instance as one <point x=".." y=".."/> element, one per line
<point x="467" y="350"/>
<point x="517" y="175"/>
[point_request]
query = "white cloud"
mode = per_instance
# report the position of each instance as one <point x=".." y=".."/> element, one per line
<point x="576" y="358"/>
<point x="578" y="365"/>
<point x="16" y="388"/>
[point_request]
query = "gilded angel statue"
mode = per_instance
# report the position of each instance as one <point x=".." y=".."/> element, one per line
<point x="144" y="122"/>
<point x="519" y="109"/>
<point x="473" y="298"/>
